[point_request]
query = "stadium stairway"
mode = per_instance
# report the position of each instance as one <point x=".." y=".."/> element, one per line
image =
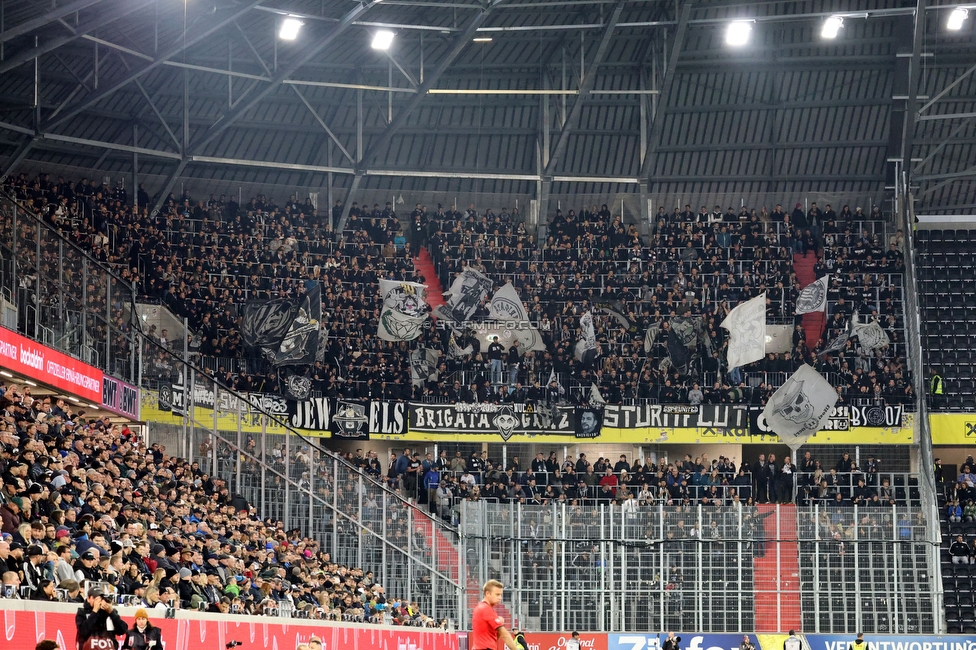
<point x="449" y="562"/>
<point x="813" y="323"/>
<point x="425" y="266"/>
<point x="776" y="574"/>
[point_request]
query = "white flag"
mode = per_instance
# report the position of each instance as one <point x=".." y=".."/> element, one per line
<point x="506" y="305"/>
<point x="587" y="342"/>
<point x="800" y="407"/>
<point x="595" y="397"/>
<point x="813" y="297"/>
<point x="404" y="310"/>
<point x="871" y="336"/>
<point x="747" y="332"/>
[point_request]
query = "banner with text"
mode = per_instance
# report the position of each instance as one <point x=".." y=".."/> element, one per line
<point x="120" y="397"/>
<point x="491" y="420"/>
<point x="22" y="355"/>
<point x="23" y="629"/>
<point x="322" y="416"/>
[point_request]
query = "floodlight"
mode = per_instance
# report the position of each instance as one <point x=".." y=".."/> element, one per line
<point x="957" y="18"/>
<point x="382" y="40"/>
<point x="832" y="26"/>
<point x="738" y="33"/>
<point x="289" y="29"/>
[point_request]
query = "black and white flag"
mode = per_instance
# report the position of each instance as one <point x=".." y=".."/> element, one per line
<point x="747" y="332"/>
<point x="800" y="407"/>
<point x="813" y="297"/>
<point x="585" y="350"/>
<point x="300" y="343"/>
<point x="404" y="310"/>
<point x="265" y="323"/>
<point x="298" y="387"/>
<point x="871" y="336"/>
<point x="650" y="336"/>
<point x="840" y="342"/>
<point x="423" y="366"/>
<point x="285" y="332"/>
<point x="506" y="305"/>
<point x="466" y="293"/>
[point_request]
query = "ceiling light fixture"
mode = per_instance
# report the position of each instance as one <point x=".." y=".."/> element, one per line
<point x="957" y="18"/>
<point x="831" y="27"/>
<point x="30" y="383"/>
<point x="75" y="400"/>
<point x="5" y="373"/>
<point x="289" y="29"/>
<point x="382" y="40"/>
<point x="737" y="33"/>
<point x="482" y="39"/>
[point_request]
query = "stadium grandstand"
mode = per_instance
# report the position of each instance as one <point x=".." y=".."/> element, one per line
<point x="330" y="312"/>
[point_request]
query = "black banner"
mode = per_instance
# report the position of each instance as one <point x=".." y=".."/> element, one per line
<point x="348" y="418"/>
<point x="506" y="420"/>
<point x="587" y="422"/>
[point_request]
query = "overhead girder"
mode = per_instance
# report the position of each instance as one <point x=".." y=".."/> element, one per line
<point x="223" y="18"/>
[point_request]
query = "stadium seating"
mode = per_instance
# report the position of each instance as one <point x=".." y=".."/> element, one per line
<point x="165" y="534"/>
<point x="204" y="259"/>
<point x="946" y="283"/>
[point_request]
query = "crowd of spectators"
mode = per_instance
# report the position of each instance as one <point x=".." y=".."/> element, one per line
<point x="444" y="481"/>
<point x="694" y="263"/>
<point x="84" y="503"/>
<point x="205" y="258"/>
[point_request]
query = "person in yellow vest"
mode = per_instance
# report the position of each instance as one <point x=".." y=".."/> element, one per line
<point x="858" y="643"/>
<point x="936" y="389"/>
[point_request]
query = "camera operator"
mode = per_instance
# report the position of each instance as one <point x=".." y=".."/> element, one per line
<point x="98" y="623"/>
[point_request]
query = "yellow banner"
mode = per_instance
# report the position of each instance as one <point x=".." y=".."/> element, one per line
<point x="953" y="428"/>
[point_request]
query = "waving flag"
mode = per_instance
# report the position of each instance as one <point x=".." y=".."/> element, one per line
<point x="747" y="332"/>
<point x="800" y="407"/>
<point x="404" y="310"/>
<point x="813" y="297"/>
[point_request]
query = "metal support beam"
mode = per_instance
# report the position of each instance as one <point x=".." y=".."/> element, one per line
<point x="44" y="19"/>
<point x="942" y="145"/>
<point x="409" y="77"/>
<point x="218" y="22"/>
<point x="667" y="82"/>
<point x="168" y="186"/>
<point x="322" y="123"/>
<point x="914" y="75"/>
<point x="586" y="85"/>
<point x="249" y="99"/>
<point x="350" y="196"/>
<point x="430" y="79"/>
<point x="945" y="90"/>
<point x="18" y="156"/>
<point x="946" y="116"/>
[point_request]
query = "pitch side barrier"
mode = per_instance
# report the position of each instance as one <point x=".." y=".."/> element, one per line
<point x="26" y="622"/>
<point x="762" y="641"/>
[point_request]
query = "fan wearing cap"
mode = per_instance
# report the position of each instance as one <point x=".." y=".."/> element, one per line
<point x="144" y="635"/>
<point x="98" y="623"/>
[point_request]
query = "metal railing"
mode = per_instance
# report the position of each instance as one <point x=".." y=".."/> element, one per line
<point x="291" y="478"/>
<point x="607" y="568"/>
<point x="64" y="298"/>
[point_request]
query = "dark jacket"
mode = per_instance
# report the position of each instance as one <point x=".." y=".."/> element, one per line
<point x="137" y="640"/>
<point x="90" y="624"/>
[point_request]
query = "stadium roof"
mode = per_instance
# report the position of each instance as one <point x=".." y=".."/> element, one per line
<point x="567" y="96"/>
